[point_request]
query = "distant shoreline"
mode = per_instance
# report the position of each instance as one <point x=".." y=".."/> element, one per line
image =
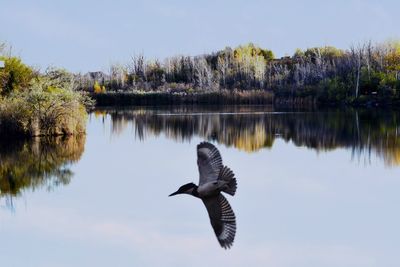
<point x="225" y="97"/>
<point x="256" y="97"/>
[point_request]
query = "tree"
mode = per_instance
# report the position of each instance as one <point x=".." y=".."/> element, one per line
<point x="357" y="54"/>
<point x="118" y="76"/>
<point x="223" y="65"/>
<point x="97" y="88"/>
<point x="393" y="58"/>
<point x="203" y="73"/>
<point x="15" y="76"/>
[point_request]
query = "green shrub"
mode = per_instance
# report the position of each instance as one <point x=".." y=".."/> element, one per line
<point x="44" y="109"/>
<point x="15" y="76"/>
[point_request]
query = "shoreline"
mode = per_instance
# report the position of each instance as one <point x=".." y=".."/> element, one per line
<point x="221" y="98"/>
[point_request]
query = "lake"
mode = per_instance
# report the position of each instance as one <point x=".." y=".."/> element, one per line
<point x="315" y="188"/>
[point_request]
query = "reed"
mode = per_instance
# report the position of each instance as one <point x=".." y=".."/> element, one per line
<point x="221" y="97"/>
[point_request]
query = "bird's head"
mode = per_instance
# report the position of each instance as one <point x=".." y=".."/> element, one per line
<point x="185" y="189"/>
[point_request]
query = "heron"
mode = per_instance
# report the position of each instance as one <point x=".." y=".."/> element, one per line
<point x="214" y="178"/>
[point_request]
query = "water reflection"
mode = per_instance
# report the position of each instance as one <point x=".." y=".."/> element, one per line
<point x="253" y="128"/>
<point x="37" y="163"/>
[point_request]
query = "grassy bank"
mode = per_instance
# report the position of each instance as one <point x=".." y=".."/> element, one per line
<point x="222" y="97"/>
<point x="255" y="97"/>
<point x="42" y="112"/>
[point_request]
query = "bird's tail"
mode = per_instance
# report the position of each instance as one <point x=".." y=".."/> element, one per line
<point x="227" y="175"/>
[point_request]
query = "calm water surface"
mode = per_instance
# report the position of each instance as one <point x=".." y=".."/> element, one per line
<point x="314" y="189"/>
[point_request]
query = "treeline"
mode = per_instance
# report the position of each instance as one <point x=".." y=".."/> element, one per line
<point x="328" y="73"/>
<point x="363" y="74"/>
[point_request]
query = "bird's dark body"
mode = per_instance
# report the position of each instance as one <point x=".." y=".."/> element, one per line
<point x="214" y="179"/>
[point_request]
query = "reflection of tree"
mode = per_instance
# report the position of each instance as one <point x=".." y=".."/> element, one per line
<point x="37" y="163"/>
<point x="362" y="131"/>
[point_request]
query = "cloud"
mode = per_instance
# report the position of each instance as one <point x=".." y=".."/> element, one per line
<point x="159" y="248"/>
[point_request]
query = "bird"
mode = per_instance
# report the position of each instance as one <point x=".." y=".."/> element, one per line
<point x="214" y="178"/>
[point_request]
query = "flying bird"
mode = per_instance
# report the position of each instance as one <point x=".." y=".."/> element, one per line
<point x="214" y="178"/>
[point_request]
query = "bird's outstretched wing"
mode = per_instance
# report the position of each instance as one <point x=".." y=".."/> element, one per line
<point x="209" y="161"/>
<point x="222" y="219"/>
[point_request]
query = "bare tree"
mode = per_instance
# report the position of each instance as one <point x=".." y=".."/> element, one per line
<point x="357" y="57"/>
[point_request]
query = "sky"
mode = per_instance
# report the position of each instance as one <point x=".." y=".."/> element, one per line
<point x="90" y="35"/>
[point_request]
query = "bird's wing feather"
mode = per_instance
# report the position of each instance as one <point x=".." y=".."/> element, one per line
<point x="222" y="219"/>
<point x="209" y="161"/>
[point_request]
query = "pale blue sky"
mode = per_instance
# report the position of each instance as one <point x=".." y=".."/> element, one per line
<point x="89" y="35"/>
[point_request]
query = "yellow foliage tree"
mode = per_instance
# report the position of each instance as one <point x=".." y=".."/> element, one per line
<point x="252" y="59"/>
<point x="97" y="88"/>
<point x="393" y="57"/>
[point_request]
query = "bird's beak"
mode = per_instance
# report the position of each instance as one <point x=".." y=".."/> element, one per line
<point x="175" y="193"/>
